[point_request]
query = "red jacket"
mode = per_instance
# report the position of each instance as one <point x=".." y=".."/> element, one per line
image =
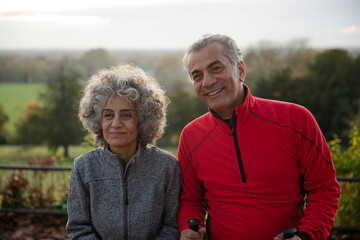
<point x="251" y="175"/>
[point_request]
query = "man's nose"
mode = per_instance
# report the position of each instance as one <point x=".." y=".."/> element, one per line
<point x="208" y="80"/>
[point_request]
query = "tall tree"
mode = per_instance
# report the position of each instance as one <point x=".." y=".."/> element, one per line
<point x="333" y="90"/>
<point x="183" y="108"/>
<point x="170" y="73"/>
<point x="3" y="120"/>
<point x="267" y="57"/>
<point x="61" y="103"/>
<point x="330" y="90"/>
<point x="30" y="125"/>
<point x="279" y="86"/>
<point x="96" y="59"/>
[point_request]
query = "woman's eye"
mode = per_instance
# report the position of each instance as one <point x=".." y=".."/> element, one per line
<point x="126" y="116"/>
<point x="107" y="115"/>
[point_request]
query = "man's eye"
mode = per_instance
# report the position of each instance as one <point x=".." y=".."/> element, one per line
<point x="217" y="69"/>
<point x="196" y="77"/>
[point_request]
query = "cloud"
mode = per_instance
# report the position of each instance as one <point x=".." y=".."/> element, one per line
<point x="52" y="18"/>
<point x="70" y="5"/>
<point x="353" y="29"/>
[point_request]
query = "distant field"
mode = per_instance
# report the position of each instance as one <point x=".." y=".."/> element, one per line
<point x="19" y="155"/>
<point x="14" y="97"/>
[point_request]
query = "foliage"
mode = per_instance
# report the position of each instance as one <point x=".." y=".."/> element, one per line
<point x="3" y="120"/>
<point x="30" y="126"/>
<point x="18" y="155"/>
<point x="27" y="69"/>
<point x="14" y="97"/>
<point x="88" y="142"/>
<point x="184" y="105"/>
<point x="14" y="192"/>
<point x="184" y="108"/>
<point x="39" y="190"/>
<point x="171" y="74"/>
<point x="265" y="58"/>
<point x="291" y="71"/>
<point x="330" y="89"/>
<point x="333" y="90"/>
<point x="281" y="86"/>
<point x="94" y="60"/>
<point x="347" y="164"/>
<point x="60" y="102"/>
<point x="12" y="69"/>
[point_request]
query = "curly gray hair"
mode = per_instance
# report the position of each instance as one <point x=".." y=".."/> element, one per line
<point x="231" y="50"/>
<point x="139" y="89"/>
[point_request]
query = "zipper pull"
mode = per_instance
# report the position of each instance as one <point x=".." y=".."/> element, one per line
<point x="232" y="124"/>
<point x="126" y="195"/>
<point x="232" y="131"/>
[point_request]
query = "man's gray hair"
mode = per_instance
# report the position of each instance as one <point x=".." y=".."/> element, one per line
<point x="140" y="90"/>
<point x="231" y="50"/>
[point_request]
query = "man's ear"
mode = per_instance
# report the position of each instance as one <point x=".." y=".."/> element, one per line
<point x="242" y="71"/>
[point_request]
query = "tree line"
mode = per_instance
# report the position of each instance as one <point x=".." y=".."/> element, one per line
<point x="324" y="81"/>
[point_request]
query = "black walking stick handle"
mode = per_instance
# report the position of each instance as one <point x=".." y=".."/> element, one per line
<point x="289" y="232"/>
<point x="194" y="224"/>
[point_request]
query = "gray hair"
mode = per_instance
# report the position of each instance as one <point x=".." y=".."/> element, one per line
<point x="231" y="50"/>
<point x="140" y="90"/>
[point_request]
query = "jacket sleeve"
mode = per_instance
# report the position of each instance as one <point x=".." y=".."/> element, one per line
<point x="192" y="195"/>
<point x="79" y="224"/>
<point x="170" y="227"/>
<point x="318" y="172"/>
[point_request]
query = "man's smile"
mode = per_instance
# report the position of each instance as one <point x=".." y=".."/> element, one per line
<point x="215" y="92"/>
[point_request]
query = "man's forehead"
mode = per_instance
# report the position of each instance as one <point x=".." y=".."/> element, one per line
<point x="207" y="56"/>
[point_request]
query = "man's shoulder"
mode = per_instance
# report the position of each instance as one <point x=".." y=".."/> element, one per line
<point x="201" y="123"/>
<point x="268" y="104"/>
<point x="280" y="110"/>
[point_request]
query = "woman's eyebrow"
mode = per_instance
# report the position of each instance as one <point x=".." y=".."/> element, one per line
<point x="121" y="110"/>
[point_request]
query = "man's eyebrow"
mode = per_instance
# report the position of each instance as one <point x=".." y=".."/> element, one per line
<point x="194" y="72"/>
<point x="214" y="63"/>
<point x="209" y="66"/>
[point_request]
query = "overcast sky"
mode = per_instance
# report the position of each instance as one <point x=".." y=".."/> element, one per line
<point x="174" y="24"/>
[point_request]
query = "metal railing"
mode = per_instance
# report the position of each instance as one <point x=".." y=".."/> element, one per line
<point x="34" y="211"/>
<point x="58" y="212"/>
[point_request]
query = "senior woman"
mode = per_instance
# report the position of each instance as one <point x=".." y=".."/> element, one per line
<point x="125" y="189"/>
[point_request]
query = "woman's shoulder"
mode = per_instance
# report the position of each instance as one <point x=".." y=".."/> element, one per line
<point x="88" y="157"/>
<point x="159" y="154"/>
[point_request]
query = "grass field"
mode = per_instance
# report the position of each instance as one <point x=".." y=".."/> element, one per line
<point x="20" y="155"/>
<point x="14" y="97"/>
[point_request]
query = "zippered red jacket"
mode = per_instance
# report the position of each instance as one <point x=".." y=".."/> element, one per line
<point x="251" y="174"/>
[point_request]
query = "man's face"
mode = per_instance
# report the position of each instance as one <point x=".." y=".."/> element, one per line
<point x="217" y="83"/>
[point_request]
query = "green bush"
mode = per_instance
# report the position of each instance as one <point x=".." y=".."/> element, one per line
<point x="38" y="189"/>
<point x="347" y="164"/>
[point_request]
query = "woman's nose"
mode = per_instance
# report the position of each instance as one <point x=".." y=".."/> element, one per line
<point x="116" y="121"/>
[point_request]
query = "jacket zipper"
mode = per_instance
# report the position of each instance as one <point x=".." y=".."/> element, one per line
<point x="238" y="153"/>
<point x="126" y="203"/>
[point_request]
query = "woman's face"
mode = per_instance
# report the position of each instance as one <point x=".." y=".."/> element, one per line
<point x="119" y="126"/>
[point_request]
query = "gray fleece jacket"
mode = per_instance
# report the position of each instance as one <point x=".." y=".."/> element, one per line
<point x="140" y="202"/>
